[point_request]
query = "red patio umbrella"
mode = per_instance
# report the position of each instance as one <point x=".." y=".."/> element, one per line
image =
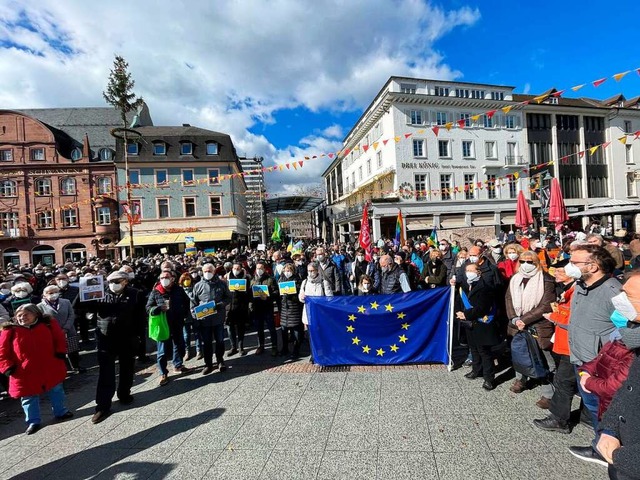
<point x="523" y="212"/>
<point x="557" y="211"/>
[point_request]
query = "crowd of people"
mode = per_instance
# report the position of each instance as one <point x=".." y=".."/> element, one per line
<point x="578" y="297"/>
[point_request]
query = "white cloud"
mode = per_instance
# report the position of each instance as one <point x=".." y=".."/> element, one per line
<point x="225" y="66"/>
<point x="527" y="88"/>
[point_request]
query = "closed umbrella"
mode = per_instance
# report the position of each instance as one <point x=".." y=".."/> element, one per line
<point x="523" y="212"/>
<point x="557" y="210"/>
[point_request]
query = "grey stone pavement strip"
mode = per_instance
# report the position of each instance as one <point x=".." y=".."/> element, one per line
<point x="263" y="420"/>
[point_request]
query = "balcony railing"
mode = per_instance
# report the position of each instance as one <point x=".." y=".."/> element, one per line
<point x="7" y="233"/>
<point x="514" y="160"/>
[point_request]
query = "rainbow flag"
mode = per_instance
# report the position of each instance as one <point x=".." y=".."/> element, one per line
<point x="399" y="240"/>
<point x="433" y="238"/>
<point x="290" y="246"/>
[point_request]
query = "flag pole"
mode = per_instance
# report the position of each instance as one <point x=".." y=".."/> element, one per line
<point x="450" y="329"/>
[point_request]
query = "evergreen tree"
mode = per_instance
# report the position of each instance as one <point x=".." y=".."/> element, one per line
<point x="119" y="90"/>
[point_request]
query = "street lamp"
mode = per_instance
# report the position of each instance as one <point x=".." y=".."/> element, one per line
<point x="543" y="195"/>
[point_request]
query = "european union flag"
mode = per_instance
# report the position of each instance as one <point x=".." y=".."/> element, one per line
<point x="380" y="329"/>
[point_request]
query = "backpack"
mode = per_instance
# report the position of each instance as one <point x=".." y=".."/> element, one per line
<point x="526" y="356"/>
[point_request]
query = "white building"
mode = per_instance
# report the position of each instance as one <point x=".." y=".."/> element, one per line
<point x="464" y="180"/>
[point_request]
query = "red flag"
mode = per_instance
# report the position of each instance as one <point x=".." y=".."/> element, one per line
<point x="491" y="113"/>
<point x="407" y="135"/>
<point x="557" y="94"/>
<point x="461" y="122"/>
<point x="365" y="148"/>
<point x="637" y="134"/>
<point x="436" y="130"/>
<point x="384" y="142"/>
<point x="597" y="83"/>
<point x="364" y="239"/>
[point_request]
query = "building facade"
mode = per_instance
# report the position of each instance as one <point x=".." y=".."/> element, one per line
<point x="255" y="196"/>
<point x="176" y="190"/>
<point x="57" y="186"/>
<point x="428" y="149"/>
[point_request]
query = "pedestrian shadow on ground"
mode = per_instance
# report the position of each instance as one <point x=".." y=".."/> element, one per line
<point x="102" y="461"/>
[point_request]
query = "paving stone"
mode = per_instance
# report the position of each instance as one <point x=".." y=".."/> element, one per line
<point x="348" y="465"/>
<point x="292" y="465"/>
<point x="236" y="464"/>
<point x="354" y="433"/>
<point x="404" y="433"/>
<point x="305" y="433"/>
<point x="260" y="432"/>
<point x="468" y="465"/>
<point x="455" y="433"/>
<point x="406" y="465"/>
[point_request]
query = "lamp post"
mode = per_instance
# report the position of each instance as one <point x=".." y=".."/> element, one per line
<point x="544" y="199"/>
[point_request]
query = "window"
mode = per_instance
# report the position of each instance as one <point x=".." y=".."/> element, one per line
<point x="43" y="187"/>
<point x="445" y="186"/>
<point x="159" y="148"/>
<point x="76" y="154"/>
<point x="6" y="155"/>
<point x="441" y="118"/>
<point x="379" y="159"/>
<point x="477" y="94"/>
<point x="104" y="215"/>
<point x="418" y="149"/>
<point x="368" y="166"/>
<point x="408" y="88"/>
<point x="512" y="154"/>
<point x="360" y="172"/>
<point x="416" y="117"/>
<point x="353" y="180"/>
<point x="467" y="119"/>
<point x="104" y="185"/>
<point x="627" y="126"/>
<point x="628" y="153"/>
<point x="632" y="186"/>
<point x="421" y="184"/>
<point x="212" y="148"/>
<point x="491" y="187"/>
<point x="571" y="186"/>
<point x="162" y="179"/>
<point x="214" y="176"/>
<point x="187" y="177"/>
<point x="163" y="207"/>
<point x="215" y="204"/>
<point x="186" y="148"/>
<point x="441" y="91"/>
<point x="597" y="187"/>
<point x="9" y="220"/>
<point x="539" y="153"/>
<point x="513" y="187"/>
<point x="190" y="207"/>
<point x="487" y="121"/>
<point x="136" y="209"/>
<point x="462" y="92"/>
<point x="106" y="154"/>
<point x="538" y="121"/>
<point x="490" y="149"/>
<point x="510" y="121"/>
<point x="37" y="154"/>
<point x="567" y="122"/>
<point x="45" y="219"/>
<point x="132" y="149"/>
<point x="467" y="149"/>
<point x="8" y="188"/>
<point x="68" y="186"/>
<point x="134" y="177"/>
<point x="497" y="95"/>
<point x="443" y="148"/>
<point x="469" y="186"/>
<point x="70" y="218"/>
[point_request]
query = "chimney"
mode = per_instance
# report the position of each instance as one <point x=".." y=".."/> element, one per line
<point x="186" y="125"/>
<point x="86" y="151"/>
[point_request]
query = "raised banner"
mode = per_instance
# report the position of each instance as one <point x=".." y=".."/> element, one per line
<point x="380" y="329"/>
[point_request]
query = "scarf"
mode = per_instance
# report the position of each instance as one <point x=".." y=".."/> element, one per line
<point x="526" y="297"/>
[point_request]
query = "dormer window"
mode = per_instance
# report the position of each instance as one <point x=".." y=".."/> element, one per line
<point x="159" y="148"/>
<point x="76" y="154"/>
<point x="132" y="148"/>
<point x="212" y="148"/>
<point x="186" y="148"/>
<point x="106" y="154"/>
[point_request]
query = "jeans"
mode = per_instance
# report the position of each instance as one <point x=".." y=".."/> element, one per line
<point x="565" y="386"/>
<point x="175" y="344"/>
<point x="208" y="335"/>
<point x="107" y="377"/>
<point x="31" y="405"/>
<point x="186" y="333"/>
<point x="590" y="401"/>
<point x="259" y="320"/>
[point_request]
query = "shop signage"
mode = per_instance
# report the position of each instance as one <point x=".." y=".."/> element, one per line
<point x="432" y="165"/>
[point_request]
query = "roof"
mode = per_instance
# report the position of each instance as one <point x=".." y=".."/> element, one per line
<point x="562" y="101"/>
<point x="292" y="204"/>
<point x="609" y="207"/>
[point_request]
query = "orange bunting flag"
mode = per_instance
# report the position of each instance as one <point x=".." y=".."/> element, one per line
<point x="461" y="123"/>
<point x="375" y="145"/>
<point x="448" y="125"/>
<point x="619" y="76"/>
<point x="435" y="130"/>
<point x="623" y="140"/>
<point x="507" y="109"/>
<point x="578" y="87"/>
<point x="407" y="135"/>
<point x="540" y="98"/>
<point x="357" y="147"/>
<point x="281" y="167"/>
<point x="421" y="131"/>
<point x="597" y="83"/>
<point x="593" y="150"/>
<point x="475" y="118"/>
<point x="491" y="113"/>
<point x="294" y="165"/>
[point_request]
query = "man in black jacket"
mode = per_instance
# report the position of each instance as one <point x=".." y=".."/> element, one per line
<point x="330" y="271"/>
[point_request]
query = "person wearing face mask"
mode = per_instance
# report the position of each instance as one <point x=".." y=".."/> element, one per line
<point x="301" y="267"/>
<point x="20" y="295"/>
<point x="448" y="256"/>
<point x="435" y="271"/>
<point x="134" y="282"/>
<point x="167" y="297"/>
<point x="118" y="316"/>
<point x="238" y="314"/>
<point x="475" y="309"/>
<point x="509" y="265"/>
<point x="5" y="293"/>
<point x="488" y="271"/>
<point x="261" y="307"/>
<point x="535" y="245"/>
<point x="494" y="252"/>
<point x="358" y="268"/>
<point x="366" y="286"/>
<point x="393" y="278"/>
<point x="314" y="286"/>
<point x="329" y="271"/>
<point x="291" y="313"/>
<point x="55" y="306"/>
<point x="529" y="296"/>
<point x="186" y="283"/>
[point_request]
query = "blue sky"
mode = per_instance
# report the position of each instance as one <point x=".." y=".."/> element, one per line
<point x="289" y="78"/>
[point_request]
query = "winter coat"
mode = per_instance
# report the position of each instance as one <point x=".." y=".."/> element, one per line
<point x="622" y="420"/>
<point x="291" y="306"/>
<point x="316" y="287"/>
<point x="211" y="290"/>
<point x="561" y="321"/>
<point x="34" y="356"/>
<point x="435" y="274"/>
<point x="64" y="315"/>
<point x="239" y="303"/>
<point x="482" y="299"/>
<point x="333" y="275"/>
<point x="533" y="319"/>
<point x="179" y="305"/>
<point x="264" y="305"/>
<point x="119" y="319"/>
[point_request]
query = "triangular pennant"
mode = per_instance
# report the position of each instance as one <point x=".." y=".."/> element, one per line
<point x="375" y="145"/>
<point x="281" y="167"/>
<point x="421" y="131"/>
<point x="461" y="123"/>
<point x="606" y="144"/>
<point x="578" y="87"/>
<point x="491" y="113"/>
<point x="516" y="175"/>
<point x="593" y="150"/>
<point x="436" y="130"/>
<point x="357" y="147"/>
<point x="558" y="93"/>
<point x="540" y="98"/>
<point x="365" y="148"/>
<point x="384" y="142"/>
<point x="407" y="135"/>
<point x="306" y="158"/>
<point x="346" y="151"/>
<point x="618" y="76"/>
<point x="636" y="135"/>
<point x="475" y="118"/>
<point x="623" y="140"/>
<point x="300" y="163"/>
<point x="294" y="165"/>
<point x="597" y="83"/>
<point x="448" y="125"/>
<point x="581" y="154"/>
<point x="507" y="109"/>
<point x="330" y="155"/>
<point x="397" y="139"/>
<point x="288" y="166"/>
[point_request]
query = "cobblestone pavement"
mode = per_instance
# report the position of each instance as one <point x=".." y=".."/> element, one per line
<point x="264" y="420"/>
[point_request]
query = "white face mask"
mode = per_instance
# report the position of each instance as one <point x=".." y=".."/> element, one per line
<point x="572" y="271"/>
<point x="623" y="305"/>
<point x="21" y="294"/>
<point x="62" y="283"/>
<point x="52" y="296"/>
<point x="165" y="282"/>
<point x="236" y="271"/>
<point x="443" y="247"/>
<point x="259" y="272"/>
<point x="132" y="275"/>
<point x="288" y="274"/>
<point x="497" y="250"/>
<point x="473" y="258"/>
<point x="360" y="258"/>
<point x="313" y="274"/>
<point x="207" y="275"/>
<point x="527" y="267"/>
<point x="194" y="275"/>
<point x="472" y="277"/>
<point x="73" y="279"/>
<point x="320" y="258"/>
<point x="513" y="256"/>
<point x="118" y="287"/>
<point x="365" y="288"/>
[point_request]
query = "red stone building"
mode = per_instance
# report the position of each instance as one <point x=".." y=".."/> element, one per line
<point x="58" y="197"/>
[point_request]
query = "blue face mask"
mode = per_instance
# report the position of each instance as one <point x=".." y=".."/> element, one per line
<point x="619" y="320"/>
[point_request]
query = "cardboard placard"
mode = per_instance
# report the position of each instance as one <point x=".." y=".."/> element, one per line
<point x="237" y="285"/>
<point x="205" y="310"/>
<point x="260" y="291"/>
<point x="91" y="288"/>
<point x="287" y="288"/>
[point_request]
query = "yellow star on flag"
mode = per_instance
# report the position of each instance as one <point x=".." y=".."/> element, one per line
<point x="366" y="349"/>
<point x="401" y="315"/>
<point x="389" y="308"/>
<point x="394" y="348"/>
<point x="350" y="329"/>
<point x="355" y="341"/>
<point x="352" y="318"/>
<point x="361" y="309"/>
<point x="403" y="339"/>
<point x="379" y="352"/>
<point x="374" y="305"/>
<point x="405" y="326"/>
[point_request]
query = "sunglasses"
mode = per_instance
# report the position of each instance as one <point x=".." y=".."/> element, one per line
<point x="531" y="262"/>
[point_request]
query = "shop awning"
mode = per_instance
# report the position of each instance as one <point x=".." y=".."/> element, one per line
<point x="222" y="235"/>
<point x="609" y="207"/>
<point x="483" y="220"/>
<point x="453" y="222"/>
<point x="509" y="219"/>
<point x="420" y="223"/>
<point x="142" y="240"/>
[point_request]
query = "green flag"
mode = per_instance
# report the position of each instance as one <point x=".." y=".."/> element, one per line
<point x="276" y="230"/>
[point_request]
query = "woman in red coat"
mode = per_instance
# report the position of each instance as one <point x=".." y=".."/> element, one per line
<point x="32" y="355"/>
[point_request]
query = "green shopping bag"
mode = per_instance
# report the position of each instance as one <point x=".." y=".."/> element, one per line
<point x="158" y="327"/>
